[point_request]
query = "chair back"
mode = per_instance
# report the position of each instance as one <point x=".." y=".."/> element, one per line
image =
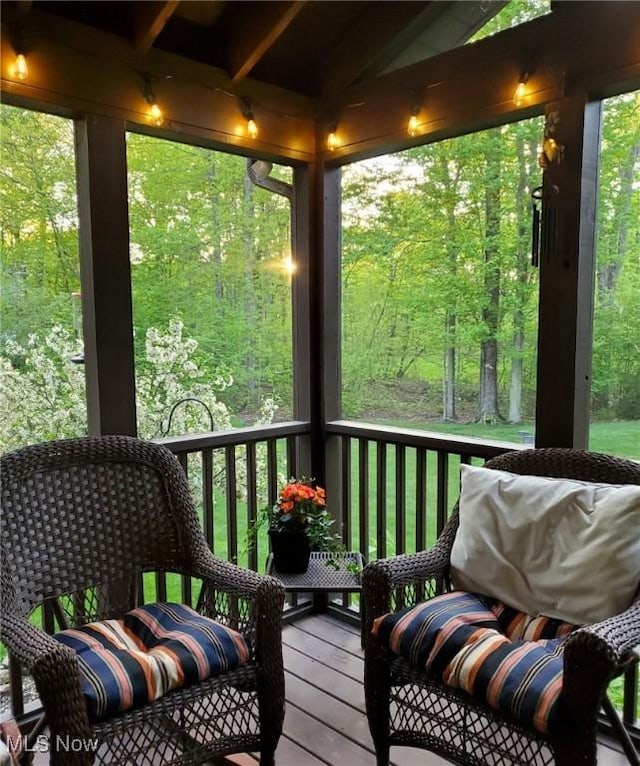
<point x="566" y="463"/>
<point x="84" y="518"/>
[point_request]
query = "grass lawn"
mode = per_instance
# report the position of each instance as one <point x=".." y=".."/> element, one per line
<point x="620" y="438"/>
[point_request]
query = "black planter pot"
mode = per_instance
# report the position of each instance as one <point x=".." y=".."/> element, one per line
<point x="291" y="551"/>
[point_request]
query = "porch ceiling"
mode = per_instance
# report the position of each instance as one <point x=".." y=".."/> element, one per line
<point x="312" y="48"/>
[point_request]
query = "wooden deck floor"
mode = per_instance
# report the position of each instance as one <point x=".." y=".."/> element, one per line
<point x="325" y="722"/>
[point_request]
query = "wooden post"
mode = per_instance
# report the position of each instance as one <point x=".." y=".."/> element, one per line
<point x="567" y="276"/>
<point x="105" y="275"/>
<point x="317" y="319"/>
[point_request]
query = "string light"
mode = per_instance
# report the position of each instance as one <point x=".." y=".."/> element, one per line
<point x="521" y="89"/>
<point x="20" y="68"/>
<point x="333" y="142"/>
<point x="252" y="128"/>
<point x="247" y="113"/>
<point x="413" y="126"/>
<point x="155" y="113"/>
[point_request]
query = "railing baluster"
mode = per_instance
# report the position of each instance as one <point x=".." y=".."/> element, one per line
<point x="381" y="500"/>
<point x="401" y="499"/>
<point x="185" y="581"/>
<point x="346" y="491"/>
<point x="442" y="498"/>
<point x="630" y="696"/>
<point x="292" y="460"/>
<point x="15" y="683"/>
<point x="232" y="518"/>
<point x="363" y="496"/>
<point x="272" y="471"/>
<point x="421" y="498"/>
<point x="252" y="500"/>
<point x="208" y="502"/>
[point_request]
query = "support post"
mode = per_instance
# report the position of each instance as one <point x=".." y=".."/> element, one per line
<point x="316" y="302"/>
<point x="567" y="276"/>
<point x="105" y="275"/>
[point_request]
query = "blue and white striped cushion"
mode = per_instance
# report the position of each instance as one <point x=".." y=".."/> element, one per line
<point x="125" y="664"/>
<point x="511" y="660"/>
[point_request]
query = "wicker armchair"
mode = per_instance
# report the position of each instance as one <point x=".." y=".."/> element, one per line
<point x="83" y="519"/>
<point x="408" y="706"/>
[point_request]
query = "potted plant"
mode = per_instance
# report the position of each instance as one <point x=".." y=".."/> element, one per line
<point x="297" y="524"/>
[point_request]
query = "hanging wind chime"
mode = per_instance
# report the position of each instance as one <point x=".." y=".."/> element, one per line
<point x="543" y="239"/>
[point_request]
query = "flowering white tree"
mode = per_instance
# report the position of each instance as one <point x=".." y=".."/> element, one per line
<point x="44" y="395"/>
<point x="43" y="392"/>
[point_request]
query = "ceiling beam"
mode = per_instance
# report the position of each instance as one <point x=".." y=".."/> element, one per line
<point x="471" y="88"/>
<point x="376" y="29"/>
<point x="75" y="69"/>
<point x="149" y="20"/>
<point x="253" y="39"/>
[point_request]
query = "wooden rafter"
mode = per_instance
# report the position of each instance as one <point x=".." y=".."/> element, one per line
<point x="376" y="29"/>
<point x="258" y="35"/>
<point x="149" y="20"/>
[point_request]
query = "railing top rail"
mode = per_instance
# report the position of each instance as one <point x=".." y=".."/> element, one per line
<point x="217" y="439"/>
<point x="414" y="437"/>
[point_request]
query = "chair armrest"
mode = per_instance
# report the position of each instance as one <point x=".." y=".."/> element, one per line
<point x="592" y="657"/>
<point x="54" y="668"/>
<point x="613" y="638"/>
<point x="225" y="576"/>
<point x="408" y="574"/>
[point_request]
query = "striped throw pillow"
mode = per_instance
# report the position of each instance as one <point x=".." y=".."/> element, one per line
<point x="125" y="664"/>
<point x="511" y="660"/>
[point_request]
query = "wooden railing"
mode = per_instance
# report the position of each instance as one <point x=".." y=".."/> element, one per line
<point x="391" y="491"/>
<point x="397" y="485"/>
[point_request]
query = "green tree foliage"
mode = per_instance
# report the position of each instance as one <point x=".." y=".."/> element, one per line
<point x="435" y="253"/>
<point x="208" y="246"/>
<point x="439" y="299"/>
<point x="38" y="223"/>
<point x="437" y="284"/>
<point x="616" y="350"/>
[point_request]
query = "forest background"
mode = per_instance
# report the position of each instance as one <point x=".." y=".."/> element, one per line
<point x="439" y="299"/>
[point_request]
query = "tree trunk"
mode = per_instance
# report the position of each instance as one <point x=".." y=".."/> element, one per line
<point x="249" y="300"/>
<point x="488" y="393"/>
<point x="449" y="384"/>
<point x="450" y="321"/>
<point x="520" y="297"/>
<point x="218" y="283"/>
<point x="609" y="271"/>
<point x="515" y="383"/>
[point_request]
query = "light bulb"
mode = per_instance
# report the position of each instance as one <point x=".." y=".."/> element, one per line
<point x="20" y="68"/>
<point x="252" y="128"/>
<point x="156" y="114"/>
<point x="520" y="93"/>
<point x="413" y="125"/>
<point x="332" y="141"/>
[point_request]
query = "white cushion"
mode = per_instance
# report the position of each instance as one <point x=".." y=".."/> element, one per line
<point x="562" y="548"/>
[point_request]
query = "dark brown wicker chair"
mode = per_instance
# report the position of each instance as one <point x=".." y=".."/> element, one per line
<point x="83" y="519"/>
<point x="407" y="706"/>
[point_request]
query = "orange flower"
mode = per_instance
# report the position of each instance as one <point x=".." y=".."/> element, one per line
<point x="286" y="506"/>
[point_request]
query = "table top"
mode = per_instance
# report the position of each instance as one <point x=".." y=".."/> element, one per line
<point x="321" y="576"/>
